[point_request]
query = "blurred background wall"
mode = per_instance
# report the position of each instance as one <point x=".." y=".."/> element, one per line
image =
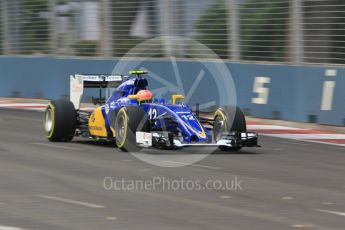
<point x="286" y="56"/>
<point x="285" y="31"/>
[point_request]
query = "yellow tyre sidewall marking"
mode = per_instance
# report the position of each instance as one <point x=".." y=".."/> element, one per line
<point x="221" y="113"/>
<point x="124" y="112"/>
<point x="52" y="112"/>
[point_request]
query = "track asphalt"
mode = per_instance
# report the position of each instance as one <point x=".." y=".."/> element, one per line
<point x="286" y="184"/>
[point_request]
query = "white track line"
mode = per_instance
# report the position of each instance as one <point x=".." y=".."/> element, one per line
<point x="55" y="146"/>
<point x="322" y="142"/>
<point x="176" y="162"/>
<point x="206" y="166"/>
<point x="194" y="165"/>
<point x="331" y="212"/>
<point x="71" y="201"/>
<point x="3" y="227"/>
<point x="294" y="143"/>
<point x="307" y="136"/>
<point x="306" y="140"/>
<point x="340" y="148"/>
<point x="274" y="127"/>
<point x="225" y="197"/>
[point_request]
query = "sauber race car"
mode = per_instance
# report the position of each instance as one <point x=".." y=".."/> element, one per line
<point x="133" y="118"/>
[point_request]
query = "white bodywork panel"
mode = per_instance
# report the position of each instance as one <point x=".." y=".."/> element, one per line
<point x="178" y="143"/>
<point x="144" y="139"/>
<point x="77" y="85"/>
<point x="76" y="90"/>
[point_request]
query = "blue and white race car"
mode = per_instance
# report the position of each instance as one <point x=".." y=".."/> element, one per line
<point x="133" y="118"/>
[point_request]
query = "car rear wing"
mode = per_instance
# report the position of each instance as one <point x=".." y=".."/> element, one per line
<point x="79" y="81"/>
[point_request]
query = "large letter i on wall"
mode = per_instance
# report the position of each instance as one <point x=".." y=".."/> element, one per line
<point x="328" y="90"/>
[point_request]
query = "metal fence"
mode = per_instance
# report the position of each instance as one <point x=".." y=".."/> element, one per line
<point x="287" y="31"/>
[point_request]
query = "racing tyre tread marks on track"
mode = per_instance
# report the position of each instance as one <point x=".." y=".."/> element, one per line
<point x="60" y="120"/>
<point x="233" y="119"/>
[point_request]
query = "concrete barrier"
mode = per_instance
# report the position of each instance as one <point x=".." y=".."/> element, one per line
<point x="295" y="93"/>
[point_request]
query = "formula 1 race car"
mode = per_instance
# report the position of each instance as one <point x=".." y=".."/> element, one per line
<point x="133" y="118"/>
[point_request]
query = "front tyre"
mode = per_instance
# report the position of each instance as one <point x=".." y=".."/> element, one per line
<point x="129" y="119"/>
<point x="228" y="119"/>
<point x="60" y="120"/>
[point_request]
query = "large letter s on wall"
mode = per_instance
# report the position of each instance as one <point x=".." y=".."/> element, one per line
<point x="262" y="92"/>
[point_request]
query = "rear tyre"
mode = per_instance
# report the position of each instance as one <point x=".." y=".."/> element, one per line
<point x="228" y="119"/>
<point x="129" y="119"/>
<point x="60" y="120"/>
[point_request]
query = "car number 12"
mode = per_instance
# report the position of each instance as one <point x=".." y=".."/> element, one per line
<point x="153" y="113"/>
<point x="189" y="117"/>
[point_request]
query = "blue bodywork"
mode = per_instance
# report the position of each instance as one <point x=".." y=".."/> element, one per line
<point x="177" y="118"/>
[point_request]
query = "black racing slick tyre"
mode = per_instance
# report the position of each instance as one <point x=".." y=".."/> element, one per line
<point x="228" y="119"/>
<point x="129" y="119"/>
<point x="60" y="120"/>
